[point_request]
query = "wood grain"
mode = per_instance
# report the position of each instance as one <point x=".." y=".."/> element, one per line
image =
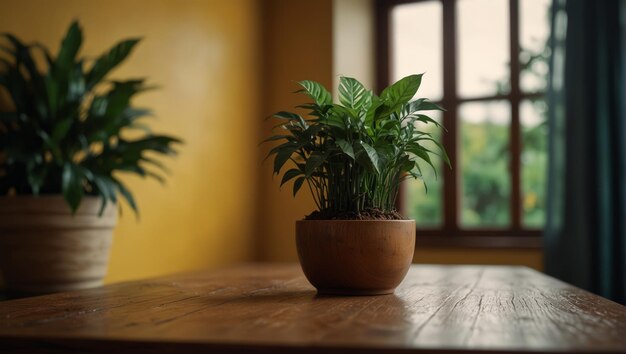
<point x="272" y="309"/>
<point x="364" y="257"/>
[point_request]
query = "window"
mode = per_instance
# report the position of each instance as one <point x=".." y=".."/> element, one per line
<point x="485" y="61"/>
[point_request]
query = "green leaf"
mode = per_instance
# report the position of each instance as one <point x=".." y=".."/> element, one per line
<point x="371" y="111"/>
<point x="317" y="92"/>
<point x="109" y="113"/>
<point x="410" y="109"/>
<point x="368" y="156"/>
<point x="155" y="176"/>
<point x="291" y="174"/>
<point x="429" y="106"/>
<point x="69" y="49"/>
<point x="346" y="147"/>
<point x="297" y="185"/>
<point x="108" y="61"/>
<point x="72" y="185"/>
<point x="281" y="158"/>
<point x="119" y="97"/>
<point x="444" y="154"/>
<point x="422" y="153"/>
<point x="133" y="114"/>
<point x="407" y="165"/>
<point x="277" y="137"/>
<point x="156" y="163"/>
<point x="107" y="186"/>
<point x="426" y="119"/>
<point x="353" y="94"/>
<point x="60" y="130"/>
<point x="290" y="146"/>
<point x="37" y="173"/>
<point x="339" y="117"/>
<point x="389" y="125"/>
<point x="23" y="56"/>
<point x="402" y="91"/>
<point x="127" y="195"/>
<point x="52" y="93"/>
<point x="291" y="117"/>
<point x="23" y="79"/>
<point x="314" y="161"/>
<point x="107" y="189"/>
<point x="76" y="83"/>
<point x="419" y="175"/>
<point x="287" y="115"/>
<point x="157" y="143"/>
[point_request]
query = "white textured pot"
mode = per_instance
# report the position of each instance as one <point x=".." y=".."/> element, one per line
<point x="44" y="248"/>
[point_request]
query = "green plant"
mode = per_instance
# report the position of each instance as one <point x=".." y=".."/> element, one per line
<point x="66" y="129"/>
<point x="354" y="154"/>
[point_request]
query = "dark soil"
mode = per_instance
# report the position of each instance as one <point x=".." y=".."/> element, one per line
<point x="367" y="214"/>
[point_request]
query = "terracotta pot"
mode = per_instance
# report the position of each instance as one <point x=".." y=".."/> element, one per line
<point x="44" y="248"/>
<point x="355" y="257"/>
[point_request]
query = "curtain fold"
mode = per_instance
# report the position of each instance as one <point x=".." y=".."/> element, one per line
<point x="585" y="235"/>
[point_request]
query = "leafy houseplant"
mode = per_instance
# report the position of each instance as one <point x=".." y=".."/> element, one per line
<point x="353" y="155"/>
<point x="65" y="134"/>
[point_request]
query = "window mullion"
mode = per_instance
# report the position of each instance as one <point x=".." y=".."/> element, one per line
<point x="450" y="102"/>
<point x="515" y="132"/>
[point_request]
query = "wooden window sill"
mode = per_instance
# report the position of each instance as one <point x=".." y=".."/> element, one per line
<point x="518" y="242"/>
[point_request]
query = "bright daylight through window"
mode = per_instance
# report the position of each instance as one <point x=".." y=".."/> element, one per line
<point x="496" y="111"/>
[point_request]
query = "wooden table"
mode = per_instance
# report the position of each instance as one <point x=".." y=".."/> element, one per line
<point x="272" y="309"/>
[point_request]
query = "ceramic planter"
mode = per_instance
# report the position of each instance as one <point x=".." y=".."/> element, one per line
<point x="355" y="257"/>
<point x="44" y="248"/>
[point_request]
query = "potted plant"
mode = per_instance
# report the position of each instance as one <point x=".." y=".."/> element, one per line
<point x="64" y="136"/>
<point x="352" y="156"/>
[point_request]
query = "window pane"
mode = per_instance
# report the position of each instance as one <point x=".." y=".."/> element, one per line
<point x="534" y="162"/>
<point x="424" y="207"/>
<point x="483" y="31"/>
<point x="534" y="50"/>
<point x="416" y="45"/>
<point x="484" y="162"/>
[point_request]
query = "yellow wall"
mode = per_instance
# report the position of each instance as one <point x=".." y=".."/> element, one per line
<point x="297" y="46"/>
<point x="204" y="56"/>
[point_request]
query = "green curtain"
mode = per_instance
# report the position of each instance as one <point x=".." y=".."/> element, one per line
<point x="585" y="236"/>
